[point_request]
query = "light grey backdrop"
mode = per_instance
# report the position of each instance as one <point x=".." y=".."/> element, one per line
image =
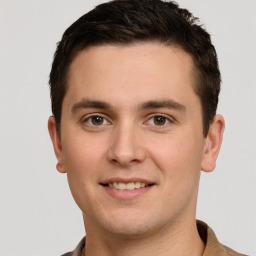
<point x="37" y="213"/>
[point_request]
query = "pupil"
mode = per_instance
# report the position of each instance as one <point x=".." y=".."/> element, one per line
<point x="97" y="120"/>
<point x="159" y="120"/>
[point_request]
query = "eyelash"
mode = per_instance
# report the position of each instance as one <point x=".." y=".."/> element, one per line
<point x="167" y="120"/>
<point x="89" y="121"/>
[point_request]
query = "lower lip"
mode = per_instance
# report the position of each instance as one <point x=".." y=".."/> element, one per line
<point x="127" y="194"/>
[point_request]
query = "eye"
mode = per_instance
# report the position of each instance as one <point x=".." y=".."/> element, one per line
<point x="95" y="120"/>
<point x="159" y="120"/>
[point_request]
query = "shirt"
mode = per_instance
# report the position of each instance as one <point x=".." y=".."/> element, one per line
<point x="212" y="246"/>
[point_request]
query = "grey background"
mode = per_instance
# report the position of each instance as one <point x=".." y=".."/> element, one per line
<point x="37" y="212"/>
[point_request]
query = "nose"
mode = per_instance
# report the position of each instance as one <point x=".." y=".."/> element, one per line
<point x="126" y="147"/>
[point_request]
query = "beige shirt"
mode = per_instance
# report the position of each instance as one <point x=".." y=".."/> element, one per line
<point x="212" y="246"/>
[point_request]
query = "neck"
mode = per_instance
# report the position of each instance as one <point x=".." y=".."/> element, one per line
<point x="179" y="239"/>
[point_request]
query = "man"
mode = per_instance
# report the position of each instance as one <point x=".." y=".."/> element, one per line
<point x="134" y="89"/>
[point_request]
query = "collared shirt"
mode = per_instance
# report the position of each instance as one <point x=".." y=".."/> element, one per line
<point x="212" y="246"/>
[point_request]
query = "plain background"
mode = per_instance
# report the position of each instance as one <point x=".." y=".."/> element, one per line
<point x="37" y="212"/>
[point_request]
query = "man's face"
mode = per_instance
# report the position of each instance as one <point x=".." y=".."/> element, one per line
<point x="132" y="138"/>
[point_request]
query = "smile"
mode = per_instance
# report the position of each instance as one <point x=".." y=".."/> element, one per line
<point x="127" y="186"/>
<point x="127" y="189"/>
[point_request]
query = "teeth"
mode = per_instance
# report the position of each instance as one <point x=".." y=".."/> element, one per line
<point x="127" y="186"/>
<point x="130" y="186"/>
<point x="121" y="186"/>
<point x="137" y="185"/>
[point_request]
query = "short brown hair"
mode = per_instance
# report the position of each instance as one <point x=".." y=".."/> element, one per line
<point x="132" y="21"/>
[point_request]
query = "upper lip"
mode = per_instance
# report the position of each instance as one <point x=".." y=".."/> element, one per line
<point x="126" y="180"/>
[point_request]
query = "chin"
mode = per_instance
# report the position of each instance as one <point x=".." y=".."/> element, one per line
<point x="130" y="230"/>
<point x="133" y="225"/>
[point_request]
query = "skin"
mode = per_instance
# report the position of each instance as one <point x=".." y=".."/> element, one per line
<point x="118" y="85"/>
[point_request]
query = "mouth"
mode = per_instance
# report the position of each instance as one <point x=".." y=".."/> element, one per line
<point x="127" y="185"/>
<point x="127" y="189"/>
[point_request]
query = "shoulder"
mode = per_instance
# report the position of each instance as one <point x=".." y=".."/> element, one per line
<point x="78" y="250"/>
<point x="231" y="252"/>
<point x="67" y="254"/>
<point x="212" y="246"/>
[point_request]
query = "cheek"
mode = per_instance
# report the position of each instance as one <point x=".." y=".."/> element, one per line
<point x="82" y="153"/>
<point x="81" y="159"/>
<point x="177" y="156"/>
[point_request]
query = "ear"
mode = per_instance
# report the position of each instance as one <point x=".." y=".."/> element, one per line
<point x="56" y="142"/>
<point x="213" y="143"/>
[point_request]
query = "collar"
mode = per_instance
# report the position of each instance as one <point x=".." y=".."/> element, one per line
<point x="212" y="246"/>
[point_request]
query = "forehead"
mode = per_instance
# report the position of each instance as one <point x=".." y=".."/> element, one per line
<point x="125" y="72"/>
<point x="134" y="52"/>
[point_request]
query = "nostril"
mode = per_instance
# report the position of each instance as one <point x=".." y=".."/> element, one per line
<point x="125" y="161"/>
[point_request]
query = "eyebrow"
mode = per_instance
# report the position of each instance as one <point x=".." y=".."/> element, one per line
<point x="166" y="103"/>
<point x="86" y="103"/>
<point x="152" y="104"/>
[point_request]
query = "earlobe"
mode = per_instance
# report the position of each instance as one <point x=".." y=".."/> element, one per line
<point x="213" y="143"/>
<point x="56" y="142"/>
